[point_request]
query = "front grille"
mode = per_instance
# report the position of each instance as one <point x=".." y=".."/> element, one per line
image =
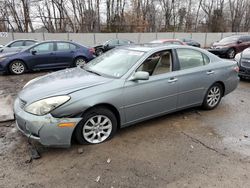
<point x="245" y="63"/>
<point x="22" y="103"/>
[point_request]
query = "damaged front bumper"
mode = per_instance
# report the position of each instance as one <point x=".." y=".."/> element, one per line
<point x="45" y="129"/>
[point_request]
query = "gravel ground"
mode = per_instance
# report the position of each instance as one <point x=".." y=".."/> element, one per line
<point x="191" y="148"/>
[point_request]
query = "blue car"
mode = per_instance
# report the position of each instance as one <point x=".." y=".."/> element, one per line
<point x="46" y="55"/>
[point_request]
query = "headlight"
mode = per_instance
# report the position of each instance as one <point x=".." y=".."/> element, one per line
<point x="45" y="106"/>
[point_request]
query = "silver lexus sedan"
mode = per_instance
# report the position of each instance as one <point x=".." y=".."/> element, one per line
<point x="122" y="87"/>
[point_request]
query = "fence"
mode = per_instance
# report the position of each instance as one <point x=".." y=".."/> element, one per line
<point x="90" y="39"/>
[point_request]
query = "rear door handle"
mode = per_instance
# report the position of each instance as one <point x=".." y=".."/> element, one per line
<point x="210" y="72"/>
<point x="171" y="80"/>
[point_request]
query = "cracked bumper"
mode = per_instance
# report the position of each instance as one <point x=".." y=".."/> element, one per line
<point x="44" y="129"/>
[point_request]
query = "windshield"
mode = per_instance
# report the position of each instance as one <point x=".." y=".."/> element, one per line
<point x="114" y="63"/>
<point x="229" y="39"/>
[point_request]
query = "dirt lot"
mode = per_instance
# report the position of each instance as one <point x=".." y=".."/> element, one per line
<point x="192" y="148"/>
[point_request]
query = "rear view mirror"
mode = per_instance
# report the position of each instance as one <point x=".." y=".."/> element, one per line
<point x="140" y="75"/>
<point x="33" y="52"/>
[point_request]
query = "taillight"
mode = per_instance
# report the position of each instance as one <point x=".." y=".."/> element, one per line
<point x="92" y="50"/>
<point x="236" y="69"/>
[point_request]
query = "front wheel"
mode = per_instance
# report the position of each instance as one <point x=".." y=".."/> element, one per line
<point x="17" y="67"/>
<point x="213" y="97"/>
<point x="98" y="125"/>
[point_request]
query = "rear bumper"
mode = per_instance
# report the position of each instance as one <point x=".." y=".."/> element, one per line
<point x="44" y="129"/>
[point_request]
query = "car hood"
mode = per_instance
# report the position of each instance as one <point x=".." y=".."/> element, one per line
<point x="60" y="83"/>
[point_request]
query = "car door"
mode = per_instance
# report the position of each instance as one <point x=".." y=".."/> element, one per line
<point x="65" y="53"/>
<point x="158" y="95"/>
<point x="194" y="77"/>
<point x="42" y="56"/>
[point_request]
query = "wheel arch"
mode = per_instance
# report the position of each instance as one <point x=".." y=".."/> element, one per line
<point x="222" y="85"/>
<point x="110" y="107"/>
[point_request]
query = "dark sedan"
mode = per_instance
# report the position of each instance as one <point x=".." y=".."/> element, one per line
<point x="243" y="60"/>
<point x="46" y="55"/>
<point x="110" y="44"/>
<point x="230" y="46"/>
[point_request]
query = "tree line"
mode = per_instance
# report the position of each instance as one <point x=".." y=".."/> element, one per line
<point x="124" y="15"/>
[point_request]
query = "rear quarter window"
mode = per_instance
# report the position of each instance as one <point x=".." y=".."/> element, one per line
<point x="189" y="58"/>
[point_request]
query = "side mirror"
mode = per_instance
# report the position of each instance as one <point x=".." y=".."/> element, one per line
<point x="33" y="52"/>
<point x="140" y="75"/>
<point x="239" y="41"/>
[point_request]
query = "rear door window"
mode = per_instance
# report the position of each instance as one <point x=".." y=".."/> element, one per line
<point x="63" y="46"/>
<point x="189" y="58"/>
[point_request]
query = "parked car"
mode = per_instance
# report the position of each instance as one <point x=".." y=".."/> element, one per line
<point x="243" y="60"/>
<point x="230" y="46"/>
<point x="17" y="45"/>
<point x="110" y="44"/>
<point x="191" y="42"/>
<point x="122" y="87"/>
<point x="46" y="55"/>
<point x="168" y="41"/>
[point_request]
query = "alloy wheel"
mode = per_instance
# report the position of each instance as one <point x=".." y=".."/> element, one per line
<point x="231" y="53"/>
<point x="213" y="96"/>
<point x="17" y="67"/>
<point x="80" y="62"/>
<point x="97" y="129"/>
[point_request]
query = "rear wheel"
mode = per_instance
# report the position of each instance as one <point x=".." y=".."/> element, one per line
<point x="99" y="51"/>
<point x="98" y="125"/>
<point x="231" y="53"/>
<point x="80" y="62"/>
<point x="213" y="96"/>
<point x="17" y="67"/>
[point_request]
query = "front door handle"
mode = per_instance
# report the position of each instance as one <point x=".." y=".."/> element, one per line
<point x="171" y="80"/>
<point x="210" y="72"/>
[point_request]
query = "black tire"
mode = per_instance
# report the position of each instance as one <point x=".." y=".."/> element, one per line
<point x="231" y="53"/>
<point x="77" y="60"/>
<point x="85" y="123"/>
<point x="17" y="67"/>
<point x="207" y="104"/>
<point x="99" y="51"/>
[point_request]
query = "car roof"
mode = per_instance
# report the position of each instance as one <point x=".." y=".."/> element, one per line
<point x="166" y="40"/>
<point x="150" y="47"/>
<point x="23" y="39"/>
